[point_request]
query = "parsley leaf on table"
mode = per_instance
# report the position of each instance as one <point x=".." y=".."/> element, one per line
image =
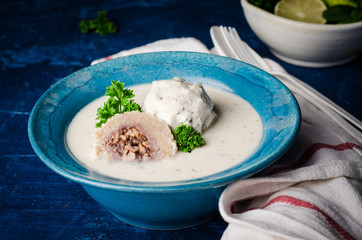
<point x="187" y="138"/>
<point x="119" y="101"/>
<point x="101" y="25"/>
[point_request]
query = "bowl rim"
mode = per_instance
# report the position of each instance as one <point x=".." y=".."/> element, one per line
<point x="182" y="185"/>
<point x="313" y="26"/>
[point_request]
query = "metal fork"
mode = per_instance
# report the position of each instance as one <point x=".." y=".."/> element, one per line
<point x="228" y="42"/>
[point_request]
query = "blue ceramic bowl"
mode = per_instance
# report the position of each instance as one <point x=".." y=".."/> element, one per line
<point x="166" y="205"/>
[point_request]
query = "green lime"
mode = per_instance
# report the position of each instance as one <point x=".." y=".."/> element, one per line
<point x="310" y="11"/>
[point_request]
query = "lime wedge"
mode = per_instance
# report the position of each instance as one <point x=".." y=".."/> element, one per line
<point x="331" y="3"/>
<point x="309" y="11"/>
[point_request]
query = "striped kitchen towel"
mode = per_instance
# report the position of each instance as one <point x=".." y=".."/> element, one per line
<point x="313" y="192"/>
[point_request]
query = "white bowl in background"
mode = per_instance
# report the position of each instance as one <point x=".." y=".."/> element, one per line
<point x="305" y="44"/>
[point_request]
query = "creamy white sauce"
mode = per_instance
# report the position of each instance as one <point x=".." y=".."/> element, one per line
<point x="230" y="140"/>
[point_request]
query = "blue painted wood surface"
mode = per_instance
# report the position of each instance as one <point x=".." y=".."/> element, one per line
<point x="40" y="43"/>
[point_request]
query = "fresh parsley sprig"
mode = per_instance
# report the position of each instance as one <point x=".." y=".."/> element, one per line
<point x="187" y="138"/>
<point x="101" y="25"/>
<point x="119" y="101"/>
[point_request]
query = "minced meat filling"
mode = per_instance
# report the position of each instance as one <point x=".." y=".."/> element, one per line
<point x="130" y="144"/>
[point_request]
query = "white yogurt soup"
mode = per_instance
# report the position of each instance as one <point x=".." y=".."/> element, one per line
<point x="229" y="140"/>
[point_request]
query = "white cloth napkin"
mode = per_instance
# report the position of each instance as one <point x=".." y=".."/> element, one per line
<point x="173" y="44"/>
<point x="313" y="192"/>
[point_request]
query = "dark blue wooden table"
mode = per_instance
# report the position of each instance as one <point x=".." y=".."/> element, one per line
<point x="40" y="43"/>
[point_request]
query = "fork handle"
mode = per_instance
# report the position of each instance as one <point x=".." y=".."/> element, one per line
<point x="319" y="99"/>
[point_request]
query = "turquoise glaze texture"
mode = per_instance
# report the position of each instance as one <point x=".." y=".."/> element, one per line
<point x="167" y="205"/>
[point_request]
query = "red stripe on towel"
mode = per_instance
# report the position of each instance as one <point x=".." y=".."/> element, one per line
<point x="307" y="154"/>
<point x="301" y="203"/>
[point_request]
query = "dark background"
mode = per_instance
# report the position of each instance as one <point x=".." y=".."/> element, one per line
<point x="40" y="43"/>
